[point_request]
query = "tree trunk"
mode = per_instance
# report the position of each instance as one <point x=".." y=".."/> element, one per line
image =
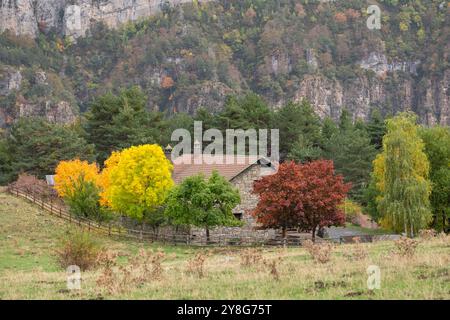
<point x="314" y="234"/>
<point x="444" y="222"/>
<point x="284" y="235"/>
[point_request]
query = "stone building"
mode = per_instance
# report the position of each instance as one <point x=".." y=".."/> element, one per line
<point x="241" y="171"/>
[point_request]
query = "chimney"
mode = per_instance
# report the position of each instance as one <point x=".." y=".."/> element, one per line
<point x="168" y="152"/>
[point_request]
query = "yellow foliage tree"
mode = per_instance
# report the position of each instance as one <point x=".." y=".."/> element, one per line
<point x="401" y="175"/>
<point x="104" y="181"/>
<point x="69" y="173"/>
<point x="136" y="181"/>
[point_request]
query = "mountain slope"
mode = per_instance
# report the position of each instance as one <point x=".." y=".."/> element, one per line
<point x="197" y="53"/>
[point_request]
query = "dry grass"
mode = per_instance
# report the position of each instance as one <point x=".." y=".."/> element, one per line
<point x="28" y="269"/>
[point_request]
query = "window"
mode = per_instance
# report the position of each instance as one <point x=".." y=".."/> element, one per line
<point x="238" y="215"/>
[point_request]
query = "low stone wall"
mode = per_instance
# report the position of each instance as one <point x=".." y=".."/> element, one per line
<point x="386" y="237"/>
<point x="235" y="233"/>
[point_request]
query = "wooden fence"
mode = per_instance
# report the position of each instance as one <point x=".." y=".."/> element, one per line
<point x="116" y="230"/>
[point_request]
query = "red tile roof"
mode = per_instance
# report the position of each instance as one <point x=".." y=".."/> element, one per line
<point x="229" y="167"/>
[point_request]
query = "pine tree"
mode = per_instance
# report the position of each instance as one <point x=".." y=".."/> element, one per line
<point x="115" y="122"/>
<point x="37" y="146"/>
<point x="350" y="149"/>
<point x="376" y="127"/>
<point x="299" y="126"/>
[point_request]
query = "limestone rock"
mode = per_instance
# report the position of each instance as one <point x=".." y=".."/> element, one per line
<point x="10" y="80"/>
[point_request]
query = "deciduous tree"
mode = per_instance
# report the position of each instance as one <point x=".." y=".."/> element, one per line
<point x="138" y="181"/>
<point x="402" y="172"/>
<point x="204" y="203"/>
<point x="306" y="196"/>
<point x="437" y="149"/>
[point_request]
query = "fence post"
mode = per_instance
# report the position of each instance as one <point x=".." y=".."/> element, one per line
<point x="60" y="212"/>
<point x="109" y="229"/>
<point x="89" y="226"/>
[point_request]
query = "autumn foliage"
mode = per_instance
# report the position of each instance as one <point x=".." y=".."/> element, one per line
<point x="69" y="173"/>
<point x="305" y="196"/>
<point x="136" y="181"/>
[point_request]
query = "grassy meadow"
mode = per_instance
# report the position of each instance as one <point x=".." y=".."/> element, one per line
<point x="29" y="269"/>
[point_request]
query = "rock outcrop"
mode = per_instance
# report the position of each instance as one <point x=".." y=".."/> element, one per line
<point x="74" y="18"/>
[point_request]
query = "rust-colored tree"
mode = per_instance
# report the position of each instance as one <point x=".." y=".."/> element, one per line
<point x="324" y="193"/>
<point x="280" y="204"/>
<point x="304" y="196"/>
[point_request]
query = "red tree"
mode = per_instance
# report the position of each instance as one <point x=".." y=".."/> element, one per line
<point x="321" y="198"/>
<point x="305" y="196"/>
<point x="279" y="203"/>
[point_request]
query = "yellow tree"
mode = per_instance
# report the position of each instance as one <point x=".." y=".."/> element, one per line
<point x="69" y="174"/>
<point x="104" y="180"/>
<point x="401" y="175"/>
<point x="136" y="181"/>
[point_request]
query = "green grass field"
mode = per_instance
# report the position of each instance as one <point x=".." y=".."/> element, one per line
<point x="29" y="269"/>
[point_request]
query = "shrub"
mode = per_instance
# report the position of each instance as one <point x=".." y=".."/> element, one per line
<point x="273" y="266"/>
<point x="142" y="268"/>
<point x="321" y="253"/>
<point x="78" y="248"/>
<point x="251" y="257"/>
<point x="406" y="247"/>
<point x="196" y="265"/>
<point x="427" y="234"/>
<point x="84" y="201"/>
<point x="33" y="185"/>
<point x="358" y="252"/>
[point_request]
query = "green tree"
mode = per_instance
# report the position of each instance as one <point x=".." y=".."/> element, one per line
<point x="176" y="121"/>
<point x="329" y="128"/>
<point x="247" y="112"/>
<point x="83" y="201"/>
<point x="116" y="122"/>
<point x="5" y="163"/>
<point x="437" y="149"/>
<point x="204" y="203"/>
<point x="303" y="150"/>
<point x="299" y="126"/>
<point x="376" y="127"/>
<point x="401" y="172"/>
<point x="37" y="146"/>
<point x="352" y="153"/>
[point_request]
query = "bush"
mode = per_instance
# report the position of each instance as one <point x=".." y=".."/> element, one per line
<point x="33" y="185"/>
<point x="196" y="265"/>
<point x="321" y="253"/>
<point x="84" y="201"/>
<point x="427" y="234"/>
<point x="406" y="247"/>
<point x="141" y="269"/>
<point x="78" y="248"/>
<point x="251" y="257"/>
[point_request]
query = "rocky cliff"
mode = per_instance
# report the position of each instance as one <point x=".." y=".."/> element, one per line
<point x="74" y="18"/>
<point x="193" y="54"/>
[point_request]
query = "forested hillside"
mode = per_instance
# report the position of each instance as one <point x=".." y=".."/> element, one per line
<point x="196" y="54"/>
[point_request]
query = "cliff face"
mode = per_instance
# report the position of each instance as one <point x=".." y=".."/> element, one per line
<point x="195" y="53"/>
<point x="74" y="18"/>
